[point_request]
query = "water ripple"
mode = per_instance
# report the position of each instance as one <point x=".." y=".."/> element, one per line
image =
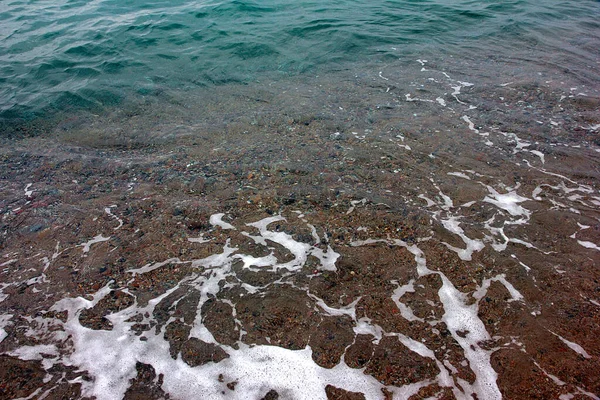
<point x="50" y="49"/>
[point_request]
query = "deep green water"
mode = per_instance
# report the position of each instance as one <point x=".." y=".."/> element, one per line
<point x="63" y="54"/>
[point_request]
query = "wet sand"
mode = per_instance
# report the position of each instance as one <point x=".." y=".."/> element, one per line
<point x="399" y="232"/>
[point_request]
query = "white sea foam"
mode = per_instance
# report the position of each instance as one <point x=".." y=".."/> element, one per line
<point x="364" y="326"/>
<point x="485" y="284"/>
<point x="409" y="97"/>
<point x="457" y="89"/>
<point x="588" y="245"/>
<point x="573" y="346"/>
<point x="11" y="261"/>
<point x="151" y="267"/>
<point x="508" y="202"/>
<point x="256" y="263"/>
<point x="468" y="330"/>
<point x="349" y="310"/>
<point x="428" y="200"/>
<point x="119" y="220"/>
<point x="405" y="311"/>
<point x="462" y="321"/>
<point x="354" y="204"/>
<point x="110" y="356"/>
<point x="200" y="239"/>
<point x="473" y="245"/>
<point x="4" y="322"/>
<point x="217" y="220"/>
<point x="472" y="126"/>
<point x="28" y="192"/>
<point x="460" y="175"/>
<point x="299" y="250"/>
<point x="97" y="239"/>
<point x="3" y="296"/>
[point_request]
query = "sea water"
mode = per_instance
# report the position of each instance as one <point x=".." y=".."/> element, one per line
<point x="297" y="200"/>
<point x="57" y="55"/>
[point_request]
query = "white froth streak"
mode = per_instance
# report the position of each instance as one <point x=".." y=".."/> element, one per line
<point x="349" y="310"/>
<point x="428" y="200"/>
<point x="109" y="212"/>
<point x="405" y="311"/>
<point x="539" y="154"/>
<point x="581" y="188"/>
<point x="477" y="131"/>
<point x="462" y="318"/>
<point x="588" y="245"/>
<point x="458" y="317"/>
<point x="409" y="97"/>
<point x="502" y="246"/>
<point x="522" y="144"/>
<point x="355" y="203"/>
<point x="365" y="326"/>
<point x="97" y="239"/>
<point x="460" y="175"/>
<point x="40" y="352"/>
<point x="110" y="357"/>
<point x="3" y="296"/>
<point x="457" y="88"/>
<point x="314" y="234"/>
<point x="28" y="192"/>
<point x="216" y="220"/>
<point x="11" y="261"/>
<point x="573" y="346"/>
<point x="559" y="382"/>
<point x="219" y="266"/>
<point x="508" y="202"/>
<point x="485" y="285"/>
<point x="443" y="377"/>
<point x="152" y="267"/>
<point x="4" y="321"/>
<point x="448" y="203"/>
<point x="473" y="245"/>
<point x="256" y="263"/>
<point x="198" y="240"/>
<point x="300" y="251"/>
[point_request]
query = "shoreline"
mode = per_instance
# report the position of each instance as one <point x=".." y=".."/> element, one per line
<point x="438" y="240"/>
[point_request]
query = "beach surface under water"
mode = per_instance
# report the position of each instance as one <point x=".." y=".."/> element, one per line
<point x="263" y="200"/>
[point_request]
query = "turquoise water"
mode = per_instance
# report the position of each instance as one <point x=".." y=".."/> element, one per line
<point x="82" y="54"/>
<point x="398" y="198"/>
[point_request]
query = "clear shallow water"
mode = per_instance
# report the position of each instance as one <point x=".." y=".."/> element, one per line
<point x="84" y="54"/>
<point x="397" y="198"/>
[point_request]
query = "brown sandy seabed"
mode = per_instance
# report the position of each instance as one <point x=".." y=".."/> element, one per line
<point x="149" y="177"/>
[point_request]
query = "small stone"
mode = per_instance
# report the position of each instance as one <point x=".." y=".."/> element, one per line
<point x="271" y="395"/>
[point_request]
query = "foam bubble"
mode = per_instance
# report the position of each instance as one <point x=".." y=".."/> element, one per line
<point x="217" y="220"/>
<point x="110" y="357"/>
<point x="473" y="245"/>
<point x="4" y="321"/>
<point x="97" y="239"/>
<point x="508" y="202"/>
<point x="108" y="211"/>
<point x="573" y="346"/>
<point x="588" y="245"/>
<point x="405" y="311"/>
